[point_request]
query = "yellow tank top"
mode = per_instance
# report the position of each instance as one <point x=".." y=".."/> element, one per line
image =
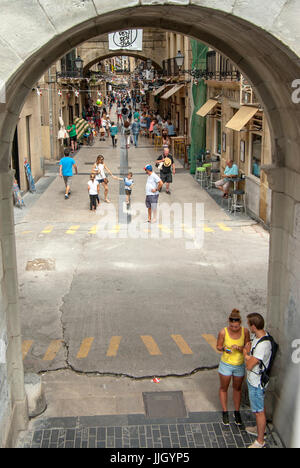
<point x="235" y="358"/>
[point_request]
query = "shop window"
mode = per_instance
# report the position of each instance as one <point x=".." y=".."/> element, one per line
<point x="256" y="151"/>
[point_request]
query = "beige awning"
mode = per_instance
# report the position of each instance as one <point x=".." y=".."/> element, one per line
<point x="207" y="107"/>
<point x="241" y="118"/>
<point x="160" y="89"/>
<point x="172" y="91"/>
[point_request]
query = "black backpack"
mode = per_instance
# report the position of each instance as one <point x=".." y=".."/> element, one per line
<point x="265" y="372"/>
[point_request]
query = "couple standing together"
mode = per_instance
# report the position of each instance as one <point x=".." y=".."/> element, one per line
<point x="241" y="355"/>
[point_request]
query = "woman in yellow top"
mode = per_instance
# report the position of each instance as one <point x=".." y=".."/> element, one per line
<point x="231" y="341"/>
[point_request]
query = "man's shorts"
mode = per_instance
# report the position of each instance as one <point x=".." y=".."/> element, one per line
<point x="229" y="370"/>
<point x="166" y="177"/>
<point x="257" y="398"/>
<point x="68" y="181"/>
<point x="73" y="138"/>
<point x="151" y="201"/>
<point x="223" y="183"/>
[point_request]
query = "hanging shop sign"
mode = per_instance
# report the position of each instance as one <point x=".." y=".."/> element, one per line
<point x="129" y="39"/>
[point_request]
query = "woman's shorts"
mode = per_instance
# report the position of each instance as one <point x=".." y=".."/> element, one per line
<point x="228" y="370"/>
<point x="257" y="398"/>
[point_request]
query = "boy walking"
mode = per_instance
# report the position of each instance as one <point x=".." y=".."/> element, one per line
<point x="66" y="171"/>
<point x="128" y="181"/>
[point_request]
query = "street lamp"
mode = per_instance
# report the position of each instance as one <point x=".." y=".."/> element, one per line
<point x="79" y="63"/>
<point x="179" y="59"/>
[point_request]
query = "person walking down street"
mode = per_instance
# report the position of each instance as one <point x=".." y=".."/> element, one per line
<point x="99" y="169"/>
<point x="71" y="129"/>
<point x="127" y="133"/>
<point x="66" y="171"/>
<point x="255" y="353"/>
<point x="166" y="165"/>
<point x="153" y="187"/>
<point x="135" y="128"/>
<point x="231" y="341"/>
<point x="93" y="189"/>
<point x="113" y="133"/>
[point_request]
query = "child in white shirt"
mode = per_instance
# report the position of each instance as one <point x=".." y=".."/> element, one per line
<point x="93" y="189"/>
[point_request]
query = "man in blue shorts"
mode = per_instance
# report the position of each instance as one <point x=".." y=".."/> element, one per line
<point x="153" y="187"/>
<point x="66" y="171"/>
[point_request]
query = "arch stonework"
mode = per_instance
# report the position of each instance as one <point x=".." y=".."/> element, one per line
<point x="263" y="39"/>
<point x="154" y="48"/>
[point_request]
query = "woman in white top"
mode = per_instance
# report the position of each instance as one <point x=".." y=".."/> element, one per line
<point x="99" y="169"/>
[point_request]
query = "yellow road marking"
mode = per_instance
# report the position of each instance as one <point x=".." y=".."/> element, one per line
<point x="85" y="348"/>
<point x="164" y="229"/>
<point x="151" y="346"/>
<point x="212" y="341"/>
<point x="182" y="344"/>
<point x="116" y="229"/>
<point x="93" y="230"/>
<point x="223" y="227"/>
<point x="187" y="229"/>
<point x="114" y="346"/>
<point x="208" y="229"/>
<point x="26" y="345"/>
<point x="47" y="230"/>
<point x="26" y="232"/>
<point x="72" y="230"/>
<point x="52" y="351"/>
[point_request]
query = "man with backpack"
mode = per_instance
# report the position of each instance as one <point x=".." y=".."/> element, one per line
<point x="259" y="356"/>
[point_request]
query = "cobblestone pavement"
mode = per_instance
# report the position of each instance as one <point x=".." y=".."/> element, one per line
<point x="198" y="430"/>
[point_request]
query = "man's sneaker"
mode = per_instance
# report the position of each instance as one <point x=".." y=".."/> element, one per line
<point x="66" y="196"/>
<point x="252" y="430"/>
<point x="225" y="418"/>
<point x="256" y="444"/>
<point x="237" y="418"/>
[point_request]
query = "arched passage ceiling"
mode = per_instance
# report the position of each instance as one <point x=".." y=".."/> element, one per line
<point x="35" y="34"/>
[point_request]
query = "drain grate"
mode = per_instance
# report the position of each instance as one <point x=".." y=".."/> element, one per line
<point x="164" y="405"/>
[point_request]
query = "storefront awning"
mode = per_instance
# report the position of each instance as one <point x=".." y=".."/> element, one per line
<point x="241" y="118"/>
<point x="207" y="107"/>
<point x="160" y="89"/>
<point x="172" y="91"/>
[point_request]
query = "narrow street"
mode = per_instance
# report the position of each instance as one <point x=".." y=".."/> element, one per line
<point x="132" y="305"/>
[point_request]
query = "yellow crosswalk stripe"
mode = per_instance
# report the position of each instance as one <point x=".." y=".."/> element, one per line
<point x="188" y="230"/>
<point x="164" y="229"/>
<point x="151" y="345"/>
<point x="26" y="345"/>
<point x="208" y="229"/>
<point x="93" y="230"/>
<point x="26" y="232"/>
<point x="212" y="341"/>
<point x="113" y="346"/>
<point x="182" y="344"/>
<point x="72" y="230"/>
<point x="48" y="230"/>
<point x="116" y="229"/>
<point x="52" y="350"/>
<point x="85" y="348"/>
<point x="223" y="227"/>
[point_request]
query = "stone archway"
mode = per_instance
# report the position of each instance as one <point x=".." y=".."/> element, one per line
<point x="97" y="59"/>
<point x="262" y="40"/>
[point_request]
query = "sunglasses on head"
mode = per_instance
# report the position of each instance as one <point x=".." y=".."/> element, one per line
<point x="234" y="320"/>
